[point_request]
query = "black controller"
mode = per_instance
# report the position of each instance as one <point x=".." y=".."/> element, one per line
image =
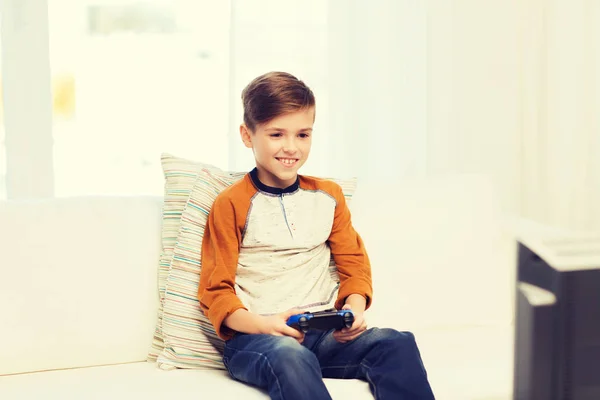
<point x="323" y="321"/>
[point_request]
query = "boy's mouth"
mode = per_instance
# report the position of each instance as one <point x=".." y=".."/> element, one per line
<point x="287" y="162"/>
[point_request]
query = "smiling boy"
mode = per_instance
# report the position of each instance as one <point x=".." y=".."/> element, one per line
<point x="265" y="257"/>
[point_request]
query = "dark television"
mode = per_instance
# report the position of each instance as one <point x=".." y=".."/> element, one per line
<point x="557" y="324"/>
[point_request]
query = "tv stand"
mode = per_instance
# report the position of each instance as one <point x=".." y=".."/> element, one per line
<point x="557" y="325"/>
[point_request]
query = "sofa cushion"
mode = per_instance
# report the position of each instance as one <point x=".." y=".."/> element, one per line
<point x="438" y="251"/>
<point x="189" y="338"/>
<point x="145" y="381"/>
<point x="77" y="281"/>
<point x="462" y="364"/>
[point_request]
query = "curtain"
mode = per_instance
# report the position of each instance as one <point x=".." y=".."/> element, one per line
<point x="378" y="88"/>
<point x="508" y="90"/>
<point x="560" y="104"/>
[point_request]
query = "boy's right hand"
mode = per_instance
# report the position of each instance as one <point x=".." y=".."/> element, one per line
<point x="277" y="325"/>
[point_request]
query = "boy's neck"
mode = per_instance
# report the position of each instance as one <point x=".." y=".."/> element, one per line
<point x="271" y="189"/>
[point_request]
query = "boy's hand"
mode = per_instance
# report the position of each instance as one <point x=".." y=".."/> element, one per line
<point x="358" y="327"/>
<point x="277" y="325"/>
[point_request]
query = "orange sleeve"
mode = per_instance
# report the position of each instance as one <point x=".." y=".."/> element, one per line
<point x="219" y="258"/>
<point x="349" y="254"/>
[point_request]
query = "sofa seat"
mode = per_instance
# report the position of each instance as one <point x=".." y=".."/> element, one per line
<point x="144" y="380"/>
<point x="464" y="363"/>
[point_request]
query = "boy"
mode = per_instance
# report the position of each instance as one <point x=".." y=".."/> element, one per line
<point x="265" y="257"/>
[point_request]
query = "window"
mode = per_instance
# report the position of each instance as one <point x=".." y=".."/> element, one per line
<point x="133" y="79"/>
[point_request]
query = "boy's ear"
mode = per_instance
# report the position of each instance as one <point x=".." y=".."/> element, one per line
<point x="246" y="135"/>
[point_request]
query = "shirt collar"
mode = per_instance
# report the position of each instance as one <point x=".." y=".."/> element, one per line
<point x="270" y="189"/>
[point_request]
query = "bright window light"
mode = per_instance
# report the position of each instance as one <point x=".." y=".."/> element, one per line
<point x="131" y="80"/>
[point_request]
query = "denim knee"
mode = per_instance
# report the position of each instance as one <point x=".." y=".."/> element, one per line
<point x="290" y="356"/>
<point x="402" y="343"/>
<point x="393" y="338"/>
<point x="392" y="334"/>
<point x="294" y="371"/>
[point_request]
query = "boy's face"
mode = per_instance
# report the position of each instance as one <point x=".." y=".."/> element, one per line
<point x="281" y="146"/>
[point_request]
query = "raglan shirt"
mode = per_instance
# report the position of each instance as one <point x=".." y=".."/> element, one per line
<point x="267" y="250"/>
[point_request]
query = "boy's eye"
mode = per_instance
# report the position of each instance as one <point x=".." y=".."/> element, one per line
<point x="275" y="134"/>
<point x="304" y="135"/>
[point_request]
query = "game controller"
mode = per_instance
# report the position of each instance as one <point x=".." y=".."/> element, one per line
<point x="323" y="320"/>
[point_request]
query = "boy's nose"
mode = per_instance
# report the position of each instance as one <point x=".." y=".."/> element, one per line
<point x="289" y="146"/>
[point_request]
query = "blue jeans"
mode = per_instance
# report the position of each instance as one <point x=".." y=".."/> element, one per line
<point x="389" y="360"/>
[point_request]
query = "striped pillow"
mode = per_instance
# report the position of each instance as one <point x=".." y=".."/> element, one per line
<point x="180" y="175"/>
<point x="190" y="340"/>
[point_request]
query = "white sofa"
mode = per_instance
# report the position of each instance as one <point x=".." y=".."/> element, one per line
<point x="78" y="293"/>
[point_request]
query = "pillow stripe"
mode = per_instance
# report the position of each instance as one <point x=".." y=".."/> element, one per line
<point x="180" y="175"/>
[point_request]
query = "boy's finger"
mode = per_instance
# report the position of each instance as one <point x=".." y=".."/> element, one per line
<point x="290" y="312"/>
<point x="348" y="338"/>
<point x="289" y="331"/>
<point x="353" y="330"/>
<point x="345" y="334"/>
<point x="338" y="334"/>
<point x="339" y="339"/>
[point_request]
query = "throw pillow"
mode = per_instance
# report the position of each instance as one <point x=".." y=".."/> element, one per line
<point x="180" y="175"/>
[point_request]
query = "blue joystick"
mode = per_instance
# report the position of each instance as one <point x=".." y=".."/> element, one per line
<point x="324" y="320"/>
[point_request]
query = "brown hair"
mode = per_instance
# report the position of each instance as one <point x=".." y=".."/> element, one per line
<point x="273" y="94"/>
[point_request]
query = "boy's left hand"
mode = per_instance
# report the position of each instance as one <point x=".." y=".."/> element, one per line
<point x="358" y="327"/>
